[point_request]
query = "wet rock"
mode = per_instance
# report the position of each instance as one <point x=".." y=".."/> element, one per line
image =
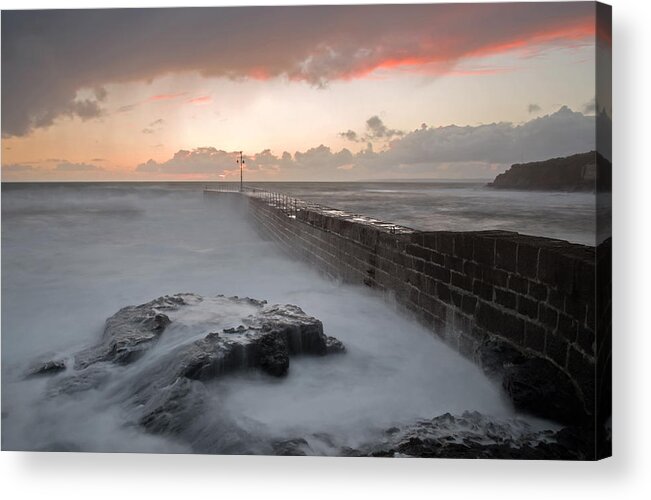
<point x="496" y="356"/>
<point x="171" y="408"/>
<point x="334" y="345"/>
<point x="166" y="394"/>
<point x="533" y="384"/>
<point x="473" y="435"/>
<point x="49" y="367"/>
<point x="60" y="446"/>
<point x="273" y="354"/>
<point x="539" y="387"/>
<point x="83" y="380"/>
<point x="292" y="447"/>
<point x="131" y="331"/>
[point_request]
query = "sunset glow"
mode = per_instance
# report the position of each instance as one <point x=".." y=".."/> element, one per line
<point x="296" y="92"/>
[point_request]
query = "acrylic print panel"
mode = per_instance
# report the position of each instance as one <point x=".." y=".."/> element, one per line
<point x="378" y="230"/>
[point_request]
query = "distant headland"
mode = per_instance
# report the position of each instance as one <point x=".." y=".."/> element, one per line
<point x="580" y="172"/>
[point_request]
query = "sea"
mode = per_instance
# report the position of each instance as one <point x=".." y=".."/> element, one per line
<point x="75" y="253"/>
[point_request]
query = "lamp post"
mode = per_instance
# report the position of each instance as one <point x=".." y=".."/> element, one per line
<point x="241" y="162"/>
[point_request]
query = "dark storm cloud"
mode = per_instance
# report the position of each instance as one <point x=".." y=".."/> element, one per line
<point x="48" y="56"/>
<point x="464" y="151"/>
<point x="533" y="108"/>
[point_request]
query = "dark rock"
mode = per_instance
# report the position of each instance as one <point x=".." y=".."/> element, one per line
<point x="60" y="446"/>
<point x="83" y="380"/>
<point x="130" y="332"/>
<point x="539" y="387"/>
<point x="171" y="408"/>
<point x="473" y="435"/>
<point x="572" y="173"/>
<point x="168" y="393"/>
<point x="270" y="337"/>
<point x="273" y="355"/>
<point x="49" y="367"/>
<point x="292" y="447"/>
<point x="334" y="346"/>
<point x="496" y="356"/>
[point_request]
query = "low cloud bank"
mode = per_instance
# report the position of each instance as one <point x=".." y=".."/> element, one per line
<point x="451" y="151"/>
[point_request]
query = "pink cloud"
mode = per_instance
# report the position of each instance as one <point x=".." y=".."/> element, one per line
<point x="204" y="99"/>
<point x="166" y="97"/>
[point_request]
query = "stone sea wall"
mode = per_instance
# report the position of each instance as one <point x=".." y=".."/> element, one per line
<point x="532" y="295"/>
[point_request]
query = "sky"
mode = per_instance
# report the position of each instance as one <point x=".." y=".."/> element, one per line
<point x="329" y="93"/>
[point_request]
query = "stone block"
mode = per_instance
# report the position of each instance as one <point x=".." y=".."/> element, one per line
<point x="518" y="284"/>
<point x="471" y="269"/>
<point x="556" y="299"/>
<point x="512" y="328"/>
<point x="489" y="317"/>
<point x="482" y="290"/>
<point x="464" y="246"/>
<point x="453" y="263"/>
<point x="484" y="251"/>
<point x="548" y="316"/>
<point x="468" y="304"/>
<point x="557" y="269"/>
<point x="418" y="251"/>
<point x="575" y="306"/>
<point x="528" y="260"/>
<point x="506" y="298"/>
<point x="567" y="327"/>
<point x="496" y="277"/>
<point x="461" y="322"/>
<point x="457" y="298"/>
<point x="534" y="337"/>
<point x="437" y="272"/>
<point x="440" y="310"/>
<point x="538" y="291"/>
<point x="556" y="349"/>
<point x="506" y="252"/>
<point x="437" y="257"/>
<point x="527" y="307"/>
<point x="445" y="243"/>
<point x="461" y="281"/>
<point x="443" y="292"/>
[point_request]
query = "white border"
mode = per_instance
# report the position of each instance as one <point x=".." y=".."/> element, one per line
<point x="100" y="476"/>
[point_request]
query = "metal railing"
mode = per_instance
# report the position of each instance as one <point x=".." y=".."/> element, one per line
<point x="286" y="204"/>
<point x="292" y="207"/>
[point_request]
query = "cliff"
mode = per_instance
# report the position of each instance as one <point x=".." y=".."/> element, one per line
<point x="580" y="172"/>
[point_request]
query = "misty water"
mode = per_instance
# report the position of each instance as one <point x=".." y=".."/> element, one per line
<point x="73" y="254"/>
<point x="461" y="206"/>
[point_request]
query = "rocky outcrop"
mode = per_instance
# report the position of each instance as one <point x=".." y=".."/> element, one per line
<point x="168" y="392"/>
<point x="47" y="367"/>
<point x="533" y="384"/>
<point x="473" y="435"/>
<point x="469" y="435"/>
<point x="539" y="387"/>
<point x="580" y="172"/>
<point x="129" y="332"/>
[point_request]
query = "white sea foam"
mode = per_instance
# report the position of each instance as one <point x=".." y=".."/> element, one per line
<point x="64" y="271"/>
